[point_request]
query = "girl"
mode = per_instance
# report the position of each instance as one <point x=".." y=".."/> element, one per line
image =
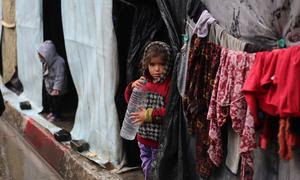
<point x="156" y="66"/>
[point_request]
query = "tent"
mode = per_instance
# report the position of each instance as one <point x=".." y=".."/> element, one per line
<point x="100" y="76"/>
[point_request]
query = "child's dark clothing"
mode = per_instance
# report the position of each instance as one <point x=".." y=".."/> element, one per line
<point x="54" y="103"/>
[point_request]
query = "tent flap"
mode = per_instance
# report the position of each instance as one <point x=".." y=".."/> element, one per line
<point x="92" y="56"/>
<point x="29" y="37"/>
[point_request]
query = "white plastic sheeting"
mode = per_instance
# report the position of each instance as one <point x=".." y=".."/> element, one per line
<point x="92" y="56"/>
<point x="29" y="37"/>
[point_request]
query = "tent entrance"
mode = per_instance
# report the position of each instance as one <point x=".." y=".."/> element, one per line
<point x="53" y="30"/>
<point x="135" y="24"/>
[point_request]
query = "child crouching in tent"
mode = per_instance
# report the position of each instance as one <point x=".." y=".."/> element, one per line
<point x="54" y="76"/>
<point x="156" y="66"/>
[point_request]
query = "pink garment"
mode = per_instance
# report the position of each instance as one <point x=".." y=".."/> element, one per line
<point x="227" y="101"/>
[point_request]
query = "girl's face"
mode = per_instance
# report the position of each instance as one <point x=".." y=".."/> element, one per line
<point x="156" y="67"/>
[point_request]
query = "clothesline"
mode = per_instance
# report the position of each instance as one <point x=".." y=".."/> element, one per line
<point x="205" y="22"/>
<point x="197" y="70"/>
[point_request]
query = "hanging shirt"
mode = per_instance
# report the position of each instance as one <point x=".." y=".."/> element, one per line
<point x="227" y="101"/>
<point x="274" y="83"/>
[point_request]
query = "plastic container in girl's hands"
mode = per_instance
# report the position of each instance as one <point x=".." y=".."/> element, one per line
<point x="137" y="100"/>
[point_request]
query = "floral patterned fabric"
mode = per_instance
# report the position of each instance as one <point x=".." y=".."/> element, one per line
<point x="203" y="64"/>
<point x="228" y="102"/>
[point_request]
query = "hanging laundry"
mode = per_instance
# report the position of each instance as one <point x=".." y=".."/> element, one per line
<point x="233" y="150"/>
<point x="182" y="66"/>
<point x="202" y="67"/>
<point x="221" y="37"/>
<point x="201" y="29"/>
<point x="202" y="25"/>
<point x="227" y="101"/>
<point x="273" y="86"/>
<point x="274" y="82"/>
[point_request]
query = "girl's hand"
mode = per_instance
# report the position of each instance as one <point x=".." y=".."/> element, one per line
<point x="138" y="117"/>
<point x="138" y="83"/>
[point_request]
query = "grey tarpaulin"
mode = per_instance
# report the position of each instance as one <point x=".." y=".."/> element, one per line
<point x="262" y="23"/>
<point x="172" y="160"/>
<point x="146" y="23"/>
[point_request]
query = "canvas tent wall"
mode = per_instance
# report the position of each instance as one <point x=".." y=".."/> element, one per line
<point x="29" y="36"/>
<point x="91" y="50"/>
